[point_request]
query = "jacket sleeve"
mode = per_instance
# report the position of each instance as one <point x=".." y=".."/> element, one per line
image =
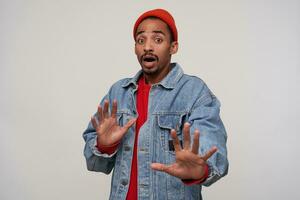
<point x="95" y="160"/>
<point x="205" y="117"/>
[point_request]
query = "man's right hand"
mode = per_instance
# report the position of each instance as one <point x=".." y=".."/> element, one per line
<point x="107" y="128"/>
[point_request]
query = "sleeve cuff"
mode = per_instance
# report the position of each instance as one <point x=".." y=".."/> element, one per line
<point x="93" y="145"/>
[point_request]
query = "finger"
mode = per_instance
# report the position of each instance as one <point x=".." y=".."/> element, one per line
<point x="186" y="136"/>
<point x="94" y="122"/>
<point x="114" y="109"/>
<point x="105" y="109"/>
<point x="100" y="116"/>
<point x="195" y="147"/>
<point x="176" y="142"/>
<point x="128" y="125"/>
<point x="159" y="167"/>
<point x="210" y="153"/>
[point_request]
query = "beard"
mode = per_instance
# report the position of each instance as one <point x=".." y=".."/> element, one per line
<point x="153" y="67"/>
<point x="149" y="63"/>
<point x="152" y="71"/>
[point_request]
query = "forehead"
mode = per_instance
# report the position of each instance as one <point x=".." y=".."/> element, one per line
<point x="153" y="24"/>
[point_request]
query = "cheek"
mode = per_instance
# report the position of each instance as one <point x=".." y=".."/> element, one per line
<point x="138" y="50"/>
<point x="164" y="53"/>
<point x="135" y="50"/>
<point x="164" y="50"/>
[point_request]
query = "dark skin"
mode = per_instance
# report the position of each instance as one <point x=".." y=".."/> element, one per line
<point x="188" y="163"/>
<point x="154" y="49"/>
<point x="107" y="128"/>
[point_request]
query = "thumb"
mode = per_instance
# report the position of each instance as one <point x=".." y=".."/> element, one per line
<point x="128" y="125"/>
<point x="159" y="167"/>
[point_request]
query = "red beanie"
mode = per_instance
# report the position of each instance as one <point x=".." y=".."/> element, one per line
<point x="161" y="14"/>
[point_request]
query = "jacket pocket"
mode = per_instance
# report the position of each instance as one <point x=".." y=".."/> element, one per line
<point x="123" y="116"/>
<point x="167" y="122"/>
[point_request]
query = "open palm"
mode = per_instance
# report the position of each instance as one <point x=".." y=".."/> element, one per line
<point x="188" y="164"/>
<point x="106" y="126"/>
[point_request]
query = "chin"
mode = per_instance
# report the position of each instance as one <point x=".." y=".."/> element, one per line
<point x="149" y="71"/>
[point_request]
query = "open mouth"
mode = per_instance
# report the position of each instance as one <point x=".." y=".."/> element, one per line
<point x="149" y="58"/>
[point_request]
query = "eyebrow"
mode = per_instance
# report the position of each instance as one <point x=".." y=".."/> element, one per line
<point x="140" y="32"/>
<point x="159" y="32"/>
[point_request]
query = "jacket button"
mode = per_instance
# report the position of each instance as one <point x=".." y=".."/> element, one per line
<point x="127" y="148"/>
<point x="142" y="149"/>
<point x="124" y="182"/>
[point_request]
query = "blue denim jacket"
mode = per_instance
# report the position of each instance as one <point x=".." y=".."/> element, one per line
<point x="178" y="98"/>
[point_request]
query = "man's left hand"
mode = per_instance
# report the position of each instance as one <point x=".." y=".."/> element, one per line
<point x="188" y="164"/>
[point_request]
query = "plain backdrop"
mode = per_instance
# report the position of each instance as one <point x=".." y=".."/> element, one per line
<point x="58" y="58"/>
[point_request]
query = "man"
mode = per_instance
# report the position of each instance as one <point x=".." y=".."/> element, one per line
<point x="160" y="130"/>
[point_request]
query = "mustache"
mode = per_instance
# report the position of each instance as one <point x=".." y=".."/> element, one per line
<point x="148" y="55"/>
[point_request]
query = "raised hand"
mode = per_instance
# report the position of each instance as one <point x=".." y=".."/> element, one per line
<point x="107" y="128"/>
<point x="188" y="164"/>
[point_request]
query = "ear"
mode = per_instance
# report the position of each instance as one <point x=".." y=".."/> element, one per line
<point x="174" y="47"/>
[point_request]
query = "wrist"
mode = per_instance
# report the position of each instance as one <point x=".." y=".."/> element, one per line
<point x="108" y="149"/>
<point x="198" y="181"/>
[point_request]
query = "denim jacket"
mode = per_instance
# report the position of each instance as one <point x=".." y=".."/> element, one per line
<point x="177" y="99"/>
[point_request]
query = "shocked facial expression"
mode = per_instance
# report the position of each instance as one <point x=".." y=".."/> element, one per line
<point x="154" y="48"/>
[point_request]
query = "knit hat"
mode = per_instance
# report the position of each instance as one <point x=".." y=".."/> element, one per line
<point x="161" y="14"/>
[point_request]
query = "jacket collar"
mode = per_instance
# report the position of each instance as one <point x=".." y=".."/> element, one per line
<point x="168" y="82"/>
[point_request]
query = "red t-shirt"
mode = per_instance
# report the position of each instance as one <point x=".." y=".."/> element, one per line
<point x="142" y="109"/>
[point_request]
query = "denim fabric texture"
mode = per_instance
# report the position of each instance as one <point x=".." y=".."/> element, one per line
<point x="177" y="99"/>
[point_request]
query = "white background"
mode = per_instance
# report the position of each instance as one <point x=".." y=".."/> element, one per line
<point x="58" y="58"/>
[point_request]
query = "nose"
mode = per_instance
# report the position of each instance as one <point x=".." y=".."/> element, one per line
<point x="148" y="47"/>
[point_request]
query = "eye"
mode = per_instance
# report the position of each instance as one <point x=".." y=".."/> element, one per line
<point x="140" y="41"/>
<point x="158" y="40"/>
